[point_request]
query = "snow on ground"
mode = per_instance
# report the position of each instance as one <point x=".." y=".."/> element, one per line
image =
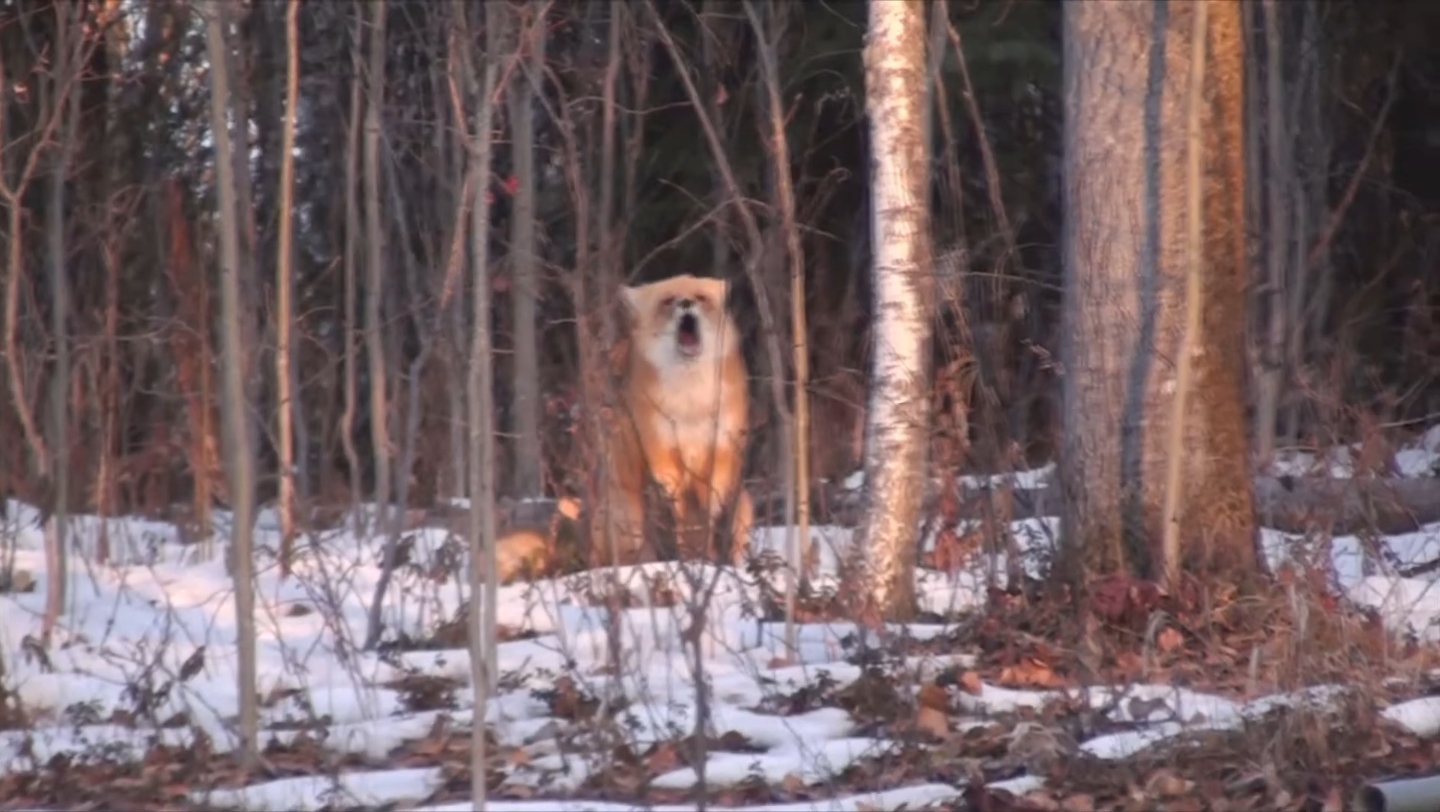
<point x="1417" y="458"/>
<point x="136" y="621"/>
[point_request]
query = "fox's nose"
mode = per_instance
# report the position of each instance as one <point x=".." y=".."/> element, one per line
<point x="686" y="303"/>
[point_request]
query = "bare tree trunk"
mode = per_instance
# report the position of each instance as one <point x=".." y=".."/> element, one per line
<point x="480" y="393"/>
<point x="108" y="400"/>
<point x="285" y="290"/>
<point x="597" y="279"/>
<point x="236" y="411"/>
<point x="352" y="263"/>
<point x="12" y="193"/>
<point x="1278" y="183"/>
<point x="715" y="21"/>
<point x="1309" y="313"/>
<point x="797" y="496"/>
<point x="898" y="414"/>
<point x="524" y="293"/>
<point x="67" y="105"/>
<point x="375" y="266"/>
<point x="1124" y="251"/>
<point x="109" y="403"/>
<point x="242" y="72"/>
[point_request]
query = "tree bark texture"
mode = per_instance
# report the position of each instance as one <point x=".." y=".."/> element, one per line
<point x="236" y="411"/>
<point x="895" y="472"/>
<point x="525" y="406"/>
<point x="1124" y="249"/>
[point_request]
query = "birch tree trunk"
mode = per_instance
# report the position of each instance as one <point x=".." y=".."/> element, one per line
<point x="1125" y="255"/>
<point x="236" y="413"/>
<point x="895" y="465"/>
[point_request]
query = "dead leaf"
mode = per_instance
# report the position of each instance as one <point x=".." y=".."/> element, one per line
<point x="1165" y="783"/>
<point x="792" y="784"/>
<point x="1078" y="803"/>
<point x="662" y="759"/>
<point x="1029" y="673"/>
<point x="1169" y="639"/>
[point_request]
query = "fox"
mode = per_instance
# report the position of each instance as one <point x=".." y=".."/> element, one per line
<point x="684" y="416"/>
<point x="536" y="546"/>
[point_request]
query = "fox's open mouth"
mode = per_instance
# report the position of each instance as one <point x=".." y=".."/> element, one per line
<point x="688" y="334"/>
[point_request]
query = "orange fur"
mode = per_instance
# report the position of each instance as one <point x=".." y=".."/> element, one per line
<point x="686" y="413"/>
<point x="534" y="551"/>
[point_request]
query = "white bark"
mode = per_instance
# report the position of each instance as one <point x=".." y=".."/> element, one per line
<point x="899" y="409"/>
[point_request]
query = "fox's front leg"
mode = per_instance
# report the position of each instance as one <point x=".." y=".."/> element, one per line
<point x="624" y="513"/>
<point x="723" y="490"/>
<point x="740" y="523"/>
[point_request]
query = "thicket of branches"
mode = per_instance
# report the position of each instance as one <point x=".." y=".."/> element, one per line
<point x="110" y="235"/>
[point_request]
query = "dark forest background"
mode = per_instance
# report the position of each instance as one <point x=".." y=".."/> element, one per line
<point x="108" y="202"/>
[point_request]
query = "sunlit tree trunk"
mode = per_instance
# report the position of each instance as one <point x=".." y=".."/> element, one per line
<point x="1125" y="256"/>
<point x="285" y="288"/>
<point x="895" y="463"/>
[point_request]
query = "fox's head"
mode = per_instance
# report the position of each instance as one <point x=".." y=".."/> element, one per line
<point x="681" y="321"/>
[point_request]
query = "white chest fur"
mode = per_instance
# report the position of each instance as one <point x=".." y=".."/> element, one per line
<point x="690" y="412"/>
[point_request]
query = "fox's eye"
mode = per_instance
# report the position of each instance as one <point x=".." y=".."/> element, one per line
<point x="702" y="299"/>
<point x="667" y="301"/>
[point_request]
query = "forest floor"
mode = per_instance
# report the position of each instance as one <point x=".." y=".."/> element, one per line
<point x="1170" y="703"/>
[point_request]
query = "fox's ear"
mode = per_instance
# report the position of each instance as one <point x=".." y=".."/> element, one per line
<point x="633" y="299"/>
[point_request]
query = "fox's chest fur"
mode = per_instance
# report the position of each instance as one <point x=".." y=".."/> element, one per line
<point x="692" y="411"/>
